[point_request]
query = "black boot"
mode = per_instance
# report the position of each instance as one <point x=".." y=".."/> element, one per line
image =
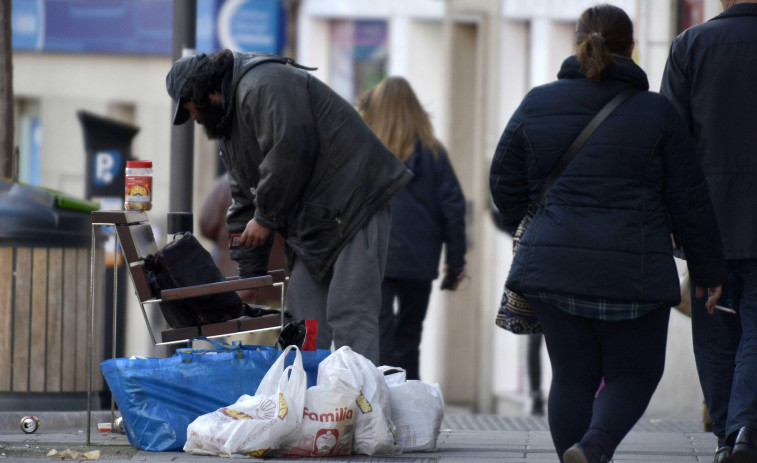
<point x="745" y="447"/>
<point x="722" y="455"/>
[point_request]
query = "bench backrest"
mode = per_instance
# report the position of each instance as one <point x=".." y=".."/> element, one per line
<point x="137" y="242"/>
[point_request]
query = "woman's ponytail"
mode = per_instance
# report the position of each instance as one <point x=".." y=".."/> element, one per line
<point x="601" y="32"/>
<point x="594" y="56"/>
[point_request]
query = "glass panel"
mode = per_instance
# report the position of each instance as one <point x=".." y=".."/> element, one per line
<point x="358" y="56"/>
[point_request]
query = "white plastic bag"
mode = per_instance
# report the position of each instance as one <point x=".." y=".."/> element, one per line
<point x="373" y="424"/>
<point x="393" y="376"/>
<point x="254" y="424"/>
<point x="328" y="422"/>
<point x="417" y="411"/>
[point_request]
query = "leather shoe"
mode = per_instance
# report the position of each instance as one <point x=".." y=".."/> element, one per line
<point x="722" y="455"/>
<point x="576" y="454"/>
<point x="745" y="447"/>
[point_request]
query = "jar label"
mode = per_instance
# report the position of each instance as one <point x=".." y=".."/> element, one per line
<point x="139" y="189"/>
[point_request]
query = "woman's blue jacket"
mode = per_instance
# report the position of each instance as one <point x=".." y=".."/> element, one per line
<point x="428" y="212"/>
<point x="605" y="228"/>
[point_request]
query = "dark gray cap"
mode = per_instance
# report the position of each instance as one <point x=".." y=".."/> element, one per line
<point x="177" y="78"/>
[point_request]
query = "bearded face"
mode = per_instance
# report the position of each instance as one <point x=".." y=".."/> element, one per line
<point x="210" y="119"/>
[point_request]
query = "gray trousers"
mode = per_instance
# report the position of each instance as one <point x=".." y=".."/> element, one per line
<point x="347" y="302"/>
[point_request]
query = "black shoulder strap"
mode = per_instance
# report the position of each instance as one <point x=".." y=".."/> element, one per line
<point x="279" y="59"/>
<point x="565" y="159"/>
<point x="291" y="62"/>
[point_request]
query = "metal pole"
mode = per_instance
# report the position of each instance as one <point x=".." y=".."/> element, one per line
<point x="115" y="319"/>
<point x="6" y="91"/>
<point x="181" y="170"/>
<point x="90" y="329"/>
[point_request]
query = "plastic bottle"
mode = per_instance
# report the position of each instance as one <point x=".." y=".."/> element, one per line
<point x="138" y="196"/>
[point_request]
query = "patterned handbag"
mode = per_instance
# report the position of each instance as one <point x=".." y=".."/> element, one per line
<point x="515" y="313"/>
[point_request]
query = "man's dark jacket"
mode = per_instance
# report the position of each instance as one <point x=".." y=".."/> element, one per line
<point x="604" y="231"/>
<point x="428" y="212"/>
<point x="302" y="160"/>
<point x="711" y="78"/>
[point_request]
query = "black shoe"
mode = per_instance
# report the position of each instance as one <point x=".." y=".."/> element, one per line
<point x="722" y="455"/>
<point x="745" y="448"/>
<point x="576" y="454"/>
<point x="595" y="447"/>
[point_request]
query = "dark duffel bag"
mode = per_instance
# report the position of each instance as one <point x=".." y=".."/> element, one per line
<point x="184" y="262"/>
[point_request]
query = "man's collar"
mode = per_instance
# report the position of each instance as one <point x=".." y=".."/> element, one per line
<point x="739" y="9"/>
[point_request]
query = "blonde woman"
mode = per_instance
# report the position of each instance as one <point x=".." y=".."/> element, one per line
<point x="426" y="214"/>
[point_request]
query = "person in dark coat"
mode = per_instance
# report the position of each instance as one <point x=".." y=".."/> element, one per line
<point x="428" y="213"/>
<point x="710" y="78"/>
<point x="302" y="162"/>
<point x="596" y="261"/>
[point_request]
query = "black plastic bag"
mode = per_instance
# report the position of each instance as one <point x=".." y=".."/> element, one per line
<point x="184" y="262"/>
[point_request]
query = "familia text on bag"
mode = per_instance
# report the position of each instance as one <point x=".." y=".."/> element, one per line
<point x="328" y="422"/>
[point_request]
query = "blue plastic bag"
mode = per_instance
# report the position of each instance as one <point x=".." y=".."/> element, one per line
<point x="159" y="397"/>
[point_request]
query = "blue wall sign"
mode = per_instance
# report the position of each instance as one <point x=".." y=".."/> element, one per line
<point x="251" y="25"/>
<point x="144" y="26"/>
<point x="27" y="26"/>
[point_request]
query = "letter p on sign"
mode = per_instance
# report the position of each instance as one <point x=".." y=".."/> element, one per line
<point x="106" y="163"/>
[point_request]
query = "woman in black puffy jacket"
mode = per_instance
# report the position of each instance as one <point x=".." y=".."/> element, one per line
<point x="596" y="261"/>
<point x="427" y="213"/>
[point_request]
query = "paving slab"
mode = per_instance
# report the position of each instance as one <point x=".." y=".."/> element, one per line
<point x="464" y="438"/>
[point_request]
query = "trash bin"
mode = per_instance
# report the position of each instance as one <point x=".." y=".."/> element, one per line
<point x="45" y="247"/>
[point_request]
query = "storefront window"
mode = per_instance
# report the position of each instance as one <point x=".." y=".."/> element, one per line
<point x="359" y="55"/>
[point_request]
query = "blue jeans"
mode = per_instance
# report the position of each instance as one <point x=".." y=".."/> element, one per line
<point x="725" y="349"/>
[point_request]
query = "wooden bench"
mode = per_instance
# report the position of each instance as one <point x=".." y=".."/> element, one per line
<point x="134" y="233"/>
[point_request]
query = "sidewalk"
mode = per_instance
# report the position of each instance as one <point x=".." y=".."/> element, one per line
<point x="464" y="438"/>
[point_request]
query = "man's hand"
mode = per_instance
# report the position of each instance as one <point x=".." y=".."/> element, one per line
<point x="254" y="234"/>
<point x="713" y="294"/>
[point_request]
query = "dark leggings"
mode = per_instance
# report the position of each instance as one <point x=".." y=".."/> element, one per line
<point x="533" y="360"/>
<point x="400" y="333"/>
<point x="628" y="354"/>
